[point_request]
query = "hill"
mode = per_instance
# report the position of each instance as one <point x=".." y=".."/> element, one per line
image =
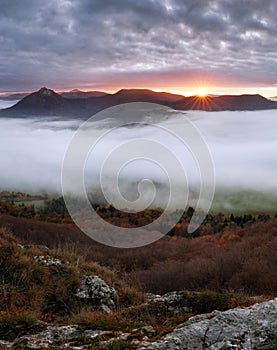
<point x="237" y="257"/>
<point x="76" y="93"/>
<point x="50" y="297"/>
<point x="41" y="102"/>
<point x="226" y="103"/>
<point x="46" y="102"/>
<point x="14" y="96"/>
<point x="49" y="269"/>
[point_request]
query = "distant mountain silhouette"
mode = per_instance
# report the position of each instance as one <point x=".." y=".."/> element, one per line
<point x="145" y="95"/>
<point x="14" y="96"/>
<point x="82" y="94"/>
<point x="76" y="93"/>
<point x="226" y="103"/>
<point x="46" y="102"/>
<point x="42" y="102"/>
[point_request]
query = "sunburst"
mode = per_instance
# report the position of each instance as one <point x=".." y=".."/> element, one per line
<point x="202" y="93"/>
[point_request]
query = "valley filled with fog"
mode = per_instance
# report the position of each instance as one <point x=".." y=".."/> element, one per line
<point x="243" y="148"/>
<point x="7" y="103"/>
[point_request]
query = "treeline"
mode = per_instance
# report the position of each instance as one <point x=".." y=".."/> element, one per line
<point x="54" y="210"/>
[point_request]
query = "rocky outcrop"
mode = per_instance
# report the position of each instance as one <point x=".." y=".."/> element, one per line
<point x="96" y="292"/>
<point x="59" y="337"/>
<point x="74" y="337"/>
<point x="173" y="302"/>
<point x="47" y="260"/>
<point x="250" y="328"/>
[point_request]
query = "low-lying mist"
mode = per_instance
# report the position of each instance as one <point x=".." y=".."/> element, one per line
<point x="243" y="146"/>
<point x="7" y="103"/>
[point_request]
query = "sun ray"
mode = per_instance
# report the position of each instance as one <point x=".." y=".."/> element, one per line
<point x="202" y="93"/>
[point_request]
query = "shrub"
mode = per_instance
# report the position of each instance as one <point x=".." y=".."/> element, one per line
<point x="101" y="321"/>
<point x="208" y="301"/>
<point x="129" y="296"/>
<point x="11" y="326"/>
<point x="30" y="285"/>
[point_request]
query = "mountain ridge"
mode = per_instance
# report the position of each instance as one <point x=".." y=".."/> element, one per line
<point x="47" y="102"/>
<point x="76" y="93"/>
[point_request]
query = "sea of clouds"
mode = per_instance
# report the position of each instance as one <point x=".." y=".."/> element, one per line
<point x="7" y="103"/>
<point x="243" y="147"/>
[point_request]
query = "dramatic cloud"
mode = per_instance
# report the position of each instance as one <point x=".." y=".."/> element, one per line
<point x="95" y="43"/>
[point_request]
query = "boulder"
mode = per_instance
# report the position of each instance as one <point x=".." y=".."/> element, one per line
<point x="249" y="328"/>
<point x="174" y="302"/>
<point x="96" y="292"/>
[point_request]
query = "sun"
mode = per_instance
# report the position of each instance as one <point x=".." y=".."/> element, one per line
<point x="202" y="93"/>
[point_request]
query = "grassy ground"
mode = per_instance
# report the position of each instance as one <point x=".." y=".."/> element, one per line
<point x="32" y="292"/>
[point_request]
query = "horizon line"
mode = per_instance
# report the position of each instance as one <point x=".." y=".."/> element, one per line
<point x="169" y="91"/>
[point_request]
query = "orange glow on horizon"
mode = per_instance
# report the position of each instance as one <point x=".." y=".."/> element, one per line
<point x="199" y="90"/>
<point x="202" y="93"/>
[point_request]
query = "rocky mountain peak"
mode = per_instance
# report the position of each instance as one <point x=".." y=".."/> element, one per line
<point x="46" y="92"/>
<point x="75" y="90"/>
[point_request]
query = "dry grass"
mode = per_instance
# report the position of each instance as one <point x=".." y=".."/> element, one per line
<point x="30" y="290"/>
<point x="49" y="291"/>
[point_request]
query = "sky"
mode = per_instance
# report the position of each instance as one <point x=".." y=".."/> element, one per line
<point x="181" y="46"/>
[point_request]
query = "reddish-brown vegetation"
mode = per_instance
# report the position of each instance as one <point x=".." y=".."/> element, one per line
<point x="241" y="259"/>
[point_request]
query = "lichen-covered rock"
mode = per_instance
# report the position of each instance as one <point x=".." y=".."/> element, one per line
<point x="6" y="345"/>
<point x="249" y="328"/>
<point x="47" y="260"/>
<point x="148" y="330"/>
<point x="175" y="302"/>
<point x="51" y="336"/>
<point x="58" y="337"/>
<point x="96" y="292"/>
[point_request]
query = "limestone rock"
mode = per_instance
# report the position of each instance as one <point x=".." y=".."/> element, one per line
<point x="57" y="336"/>
<point x="96" y="292"/>
<point x="47" y="260"/>
<point x="175" y="302"/>
<point x="249" y="328"/>
<point x="51" y="336"/>
<point x="6" y="345"/>
<point x="148" y="330"/>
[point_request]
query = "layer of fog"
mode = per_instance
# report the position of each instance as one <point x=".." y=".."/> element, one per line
<point x="243" y="146"/>
<point x="7" y="103"/>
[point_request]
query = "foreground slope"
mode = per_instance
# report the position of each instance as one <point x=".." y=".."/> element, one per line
<point x="54" y="299"/>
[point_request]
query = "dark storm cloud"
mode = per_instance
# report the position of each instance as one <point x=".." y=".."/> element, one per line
<point x="60" y="43"/>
